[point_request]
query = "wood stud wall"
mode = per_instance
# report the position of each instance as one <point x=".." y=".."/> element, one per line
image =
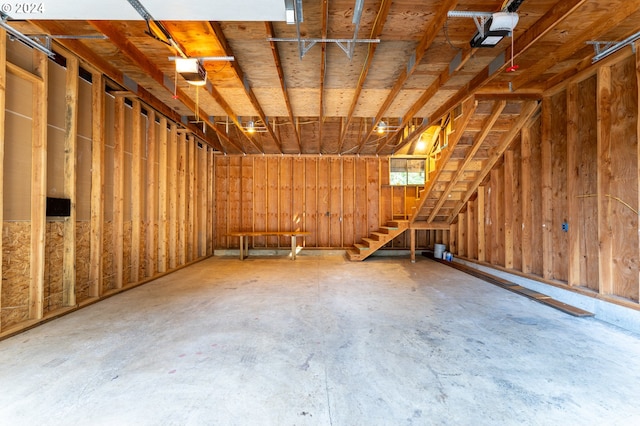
<point x="339" y="200"/>
<point x="561" y="205"/>
<point x="160" y="214"/>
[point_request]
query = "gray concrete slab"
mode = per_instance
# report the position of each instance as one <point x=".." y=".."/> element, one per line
<point x="320" y="341"/>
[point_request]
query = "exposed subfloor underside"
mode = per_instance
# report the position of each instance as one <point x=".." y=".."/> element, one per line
<point x="319" y="341"/>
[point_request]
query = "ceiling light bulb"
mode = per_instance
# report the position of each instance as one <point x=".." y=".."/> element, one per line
<point x="382" y="126"/>
<point x="251" y="127"/>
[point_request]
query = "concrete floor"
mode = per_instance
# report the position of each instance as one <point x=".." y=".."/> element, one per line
<point x="320" y="341"/>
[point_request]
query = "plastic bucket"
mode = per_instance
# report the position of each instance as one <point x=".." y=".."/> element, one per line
<point x="438" y="250"/>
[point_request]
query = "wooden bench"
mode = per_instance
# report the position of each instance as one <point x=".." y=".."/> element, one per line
<point x="244" y="242"/>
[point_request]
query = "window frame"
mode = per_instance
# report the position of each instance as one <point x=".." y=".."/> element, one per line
<point x="393" y="181"/>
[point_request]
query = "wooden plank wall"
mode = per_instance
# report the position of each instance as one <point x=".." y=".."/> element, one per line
<point x="575" y="224"/>
<point x="140" y="204"/>
<point x="339" y="200"/>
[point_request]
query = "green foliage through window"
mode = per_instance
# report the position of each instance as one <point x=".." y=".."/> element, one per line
<point x="406" y="171"/>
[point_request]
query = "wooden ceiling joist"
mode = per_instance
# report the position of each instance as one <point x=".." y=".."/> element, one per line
<point x="287" y="100"/>
<point x="381" y="18"/>
<point x="608" y="18"/>
<point x="221" y="39"/>
<point x="425" y="42"/>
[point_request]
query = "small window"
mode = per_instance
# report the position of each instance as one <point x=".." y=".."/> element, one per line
<point x="407" y="171"/>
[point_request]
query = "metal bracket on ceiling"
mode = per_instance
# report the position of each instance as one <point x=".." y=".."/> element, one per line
<point x="307" y="43"/>
<point x="605" y="48"/>
<point x="17" y="35"/>
<point x="304" y="45"/>
<point x="479" y="18"/>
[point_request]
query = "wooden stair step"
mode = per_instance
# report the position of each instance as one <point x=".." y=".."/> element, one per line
<point x="372" y="243"/>
<point x="361" y="246"/>
<point x="379" y="236"/>
<point x="353" y="255"/>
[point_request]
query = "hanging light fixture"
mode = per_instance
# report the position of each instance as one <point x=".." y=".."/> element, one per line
<point x="251" y="127"/>
<point x="191" y="69"/>
<point x="382" y="127"/>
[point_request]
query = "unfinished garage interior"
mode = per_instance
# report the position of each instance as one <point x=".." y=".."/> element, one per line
<point x="143" y="140"/>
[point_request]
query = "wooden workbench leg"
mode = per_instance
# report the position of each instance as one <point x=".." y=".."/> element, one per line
<point x="412" y="232"/>
<point x="241" y="247"/>
<point x="293" y="247"/>
<point x="246" y="247"/>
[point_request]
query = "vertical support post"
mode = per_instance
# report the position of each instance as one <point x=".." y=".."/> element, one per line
<point x="118" y="192"/>
<point x="152" y="198"/>
<point x="38" y="187"/>
<point x="412" y="233"/>
<point x="637" y="47"/>
<point x="480" y="215"/>
<point x="182" y="198"/>
<point x="191" y="200"/>
<point x="508" y="209"/>
<point x="70" y="150"/>
<point x="202" y="205"/>
<point x="547" y="191"/>
<point x="572" y="185"/>
<point x="525" y="185"/>
<point x="3" y="87"/>
<point x="136" y="192"/>
<point x="462" y="230"/>
<point x="605" y="175"/>
<point x="173" y="196"/>
<point x="97" y="185"/>
<point x="163" y="199"/>
<point x="211" y="201"/>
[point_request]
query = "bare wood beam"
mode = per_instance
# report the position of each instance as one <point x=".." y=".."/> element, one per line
<point x="608" y="18"/>
<point x="172" y="155"/>
<point x="422" y="225"/>
<point x="605" y="177"/>
<point x="136" y="192"/>
<point x="217" y="30"/>
<point x="163" y="197"/>
<point x="636" y="46"/>
<point x="546" y="178"/>
<point x="507" y="204"/>
<point x="118" y="192"/>
<point x="38" y="187"/>
<point x="480" y="224"/>
<point x="477" y="143"/>
<point x="543" y="26"/>
<point x="376" y="31"/>
<point x="278" y="63"/>
<point x="151" y="252"/>
<point x="323" y="71"/>
<point x="573" y="175"/>
<point x="527" y="217"/>
<point x="527" y="112"/>
<point x="70" y="155"/>
<point x="468" y="109"/>
<point x="433" y="29"/>
<point x="3" y="98"/>
<point x="97" y="185"/>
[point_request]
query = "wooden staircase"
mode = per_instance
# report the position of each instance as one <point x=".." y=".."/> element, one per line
<point x="377" y="239"/>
